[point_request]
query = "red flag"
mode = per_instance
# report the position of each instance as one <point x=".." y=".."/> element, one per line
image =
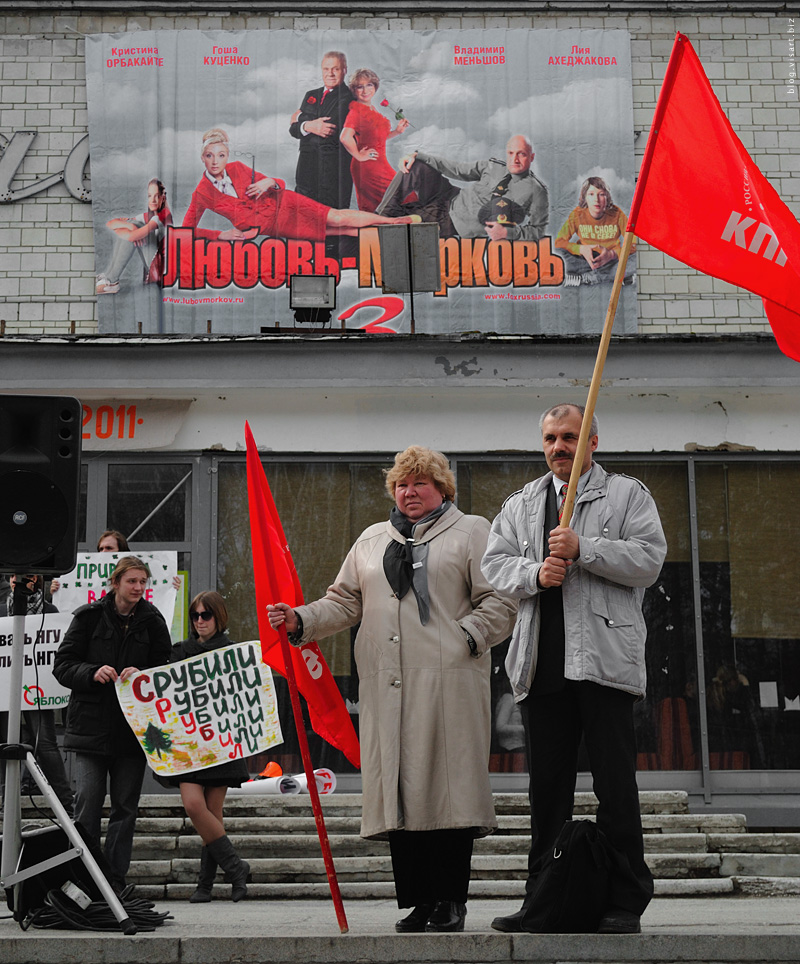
<point x="276" y="580"/>
<point x="701" y="199"/>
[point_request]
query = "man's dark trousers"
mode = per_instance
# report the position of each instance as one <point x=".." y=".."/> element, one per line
<point x="554" y="724"/>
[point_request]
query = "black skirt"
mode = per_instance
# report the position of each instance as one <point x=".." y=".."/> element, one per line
<point x="232" y="774"/>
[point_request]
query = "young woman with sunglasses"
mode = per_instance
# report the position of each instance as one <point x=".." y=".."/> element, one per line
<point x="203" y="791"/>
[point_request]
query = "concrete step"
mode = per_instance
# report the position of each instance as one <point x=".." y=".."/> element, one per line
<point x="651" y="823"/>
<point x="683" y="865"/>
<point x="349" y="804"/>
<point x="384" y="890"/>
<point x="694" y="887"/>
<point x="767" y="886"/>
<point x="495" y="867"/>
<point x="759" y="865"/>
<point x="688" y="853"/>
<point x="694" y="823"/>
<point x="653" y="843"/>
<point x="754" y="843"/>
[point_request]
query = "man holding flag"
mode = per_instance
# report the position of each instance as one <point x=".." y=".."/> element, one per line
<point x="576" y="659"/>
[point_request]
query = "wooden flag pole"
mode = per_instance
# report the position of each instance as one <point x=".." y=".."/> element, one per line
<point x="259" y="510"/>
<point x="316" y="806"/>
<point x="594" y="388"/>
<point x="583" y="439"/>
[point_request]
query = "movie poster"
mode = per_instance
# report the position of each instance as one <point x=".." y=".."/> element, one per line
<point x="223" y="163"/>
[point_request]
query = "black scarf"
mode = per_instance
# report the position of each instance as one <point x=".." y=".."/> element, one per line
<point x="398" y="559"/>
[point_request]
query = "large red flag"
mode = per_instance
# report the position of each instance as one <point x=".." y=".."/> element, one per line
<point x="701" y="199"/>
<point x="271" y="555"/>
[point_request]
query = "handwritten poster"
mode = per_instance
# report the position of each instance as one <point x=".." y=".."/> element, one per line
<point x="203" y="711"/>
<point x="40" y="690"/>
<point x="91" y="579"/>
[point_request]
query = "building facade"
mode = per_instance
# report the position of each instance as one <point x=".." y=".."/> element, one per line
<point x="698" y="403"/>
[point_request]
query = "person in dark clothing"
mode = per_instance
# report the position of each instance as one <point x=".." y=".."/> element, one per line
<point x="108" y="640"/>
<point x="37" y="727"/>
<point x="203" y="791"/>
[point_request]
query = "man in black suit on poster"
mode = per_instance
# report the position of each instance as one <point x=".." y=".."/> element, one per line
<point x="323" y="168"/>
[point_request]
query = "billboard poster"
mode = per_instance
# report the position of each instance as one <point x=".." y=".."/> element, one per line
<point x="224" y="163"/>
<point x="203" y="711"/>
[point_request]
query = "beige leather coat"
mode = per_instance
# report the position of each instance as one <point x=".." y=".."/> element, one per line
<point x="424" y="702"/>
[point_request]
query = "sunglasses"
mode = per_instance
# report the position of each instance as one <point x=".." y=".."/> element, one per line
<point x="205" y="614"/>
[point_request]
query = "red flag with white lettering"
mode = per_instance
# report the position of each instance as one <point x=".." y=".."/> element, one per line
<point x="276" y="580"/>
<point x="701" y="199"/>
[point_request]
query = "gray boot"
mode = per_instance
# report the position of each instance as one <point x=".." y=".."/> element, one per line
<point x="237" y="869"/>
<point x="208" y="871"/>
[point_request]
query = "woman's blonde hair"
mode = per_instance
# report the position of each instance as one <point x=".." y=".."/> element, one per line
<point x="216" y="135"/>
<point x="417" y="460"/>
<point x="365" y="74"/>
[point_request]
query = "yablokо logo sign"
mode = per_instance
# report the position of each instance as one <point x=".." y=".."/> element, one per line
<point x="200" y="141"/>
<point x="43" y="636"/>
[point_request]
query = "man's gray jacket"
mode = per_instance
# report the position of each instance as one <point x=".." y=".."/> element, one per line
<point x="622" y="549"/>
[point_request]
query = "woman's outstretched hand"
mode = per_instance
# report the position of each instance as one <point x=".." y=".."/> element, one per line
<point x="279" y="614"/>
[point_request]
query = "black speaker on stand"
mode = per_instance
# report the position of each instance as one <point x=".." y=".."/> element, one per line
<point x="40" y="471"/>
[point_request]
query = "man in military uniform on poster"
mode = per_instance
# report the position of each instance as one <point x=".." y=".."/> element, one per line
<point x="500" y="199"/>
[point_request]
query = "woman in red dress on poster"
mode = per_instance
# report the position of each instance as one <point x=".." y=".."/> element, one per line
<point x="257" y="204"/>
<point x="364" y="135"/>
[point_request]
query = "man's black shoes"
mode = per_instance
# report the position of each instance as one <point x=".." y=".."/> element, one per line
<point x="617" y="921"/>
<point x="511" y="924"/>
<point x="416" y="920"/>
<point x="447" y="917"/>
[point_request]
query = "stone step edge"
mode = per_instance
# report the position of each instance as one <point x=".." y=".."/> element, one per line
<point x="380" y="890"/>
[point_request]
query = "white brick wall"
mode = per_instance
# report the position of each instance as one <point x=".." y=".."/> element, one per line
<point x="46" y="246"/>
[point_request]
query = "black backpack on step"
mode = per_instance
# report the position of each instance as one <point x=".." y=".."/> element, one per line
<point x="572" y="886"/>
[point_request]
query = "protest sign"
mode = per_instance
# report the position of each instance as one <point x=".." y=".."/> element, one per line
<point x="203" y="711"/>
<point x="43" y="636"/>
<point x="90" y="580"/>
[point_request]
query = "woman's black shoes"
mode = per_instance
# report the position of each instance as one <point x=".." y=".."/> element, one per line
<point x="447" y="917"/>
<point x="416" y="920"/>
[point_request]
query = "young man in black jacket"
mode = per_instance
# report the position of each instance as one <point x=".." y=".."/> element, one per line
<point x="108" y="640"/>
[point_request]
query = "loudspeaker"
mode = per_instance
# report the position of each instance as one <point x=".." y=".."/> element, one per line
<point x="40" y="471"/>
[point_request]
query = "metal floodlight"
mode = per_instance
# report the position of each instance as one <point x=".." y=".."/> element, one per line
<point x="312" y="291"/>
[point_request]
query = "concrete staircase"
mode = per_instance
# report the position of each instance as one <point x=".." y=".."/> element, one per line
<point x="689" y="854"/>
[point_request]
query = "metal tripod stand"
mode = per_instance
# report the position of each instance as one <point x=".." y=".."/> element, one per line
<point x="15" y="753"/>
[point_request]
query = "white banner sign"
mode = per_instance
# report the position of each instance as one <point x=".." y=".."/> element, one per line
<point x="91" y="578"/>
<point x="42" y="639"/>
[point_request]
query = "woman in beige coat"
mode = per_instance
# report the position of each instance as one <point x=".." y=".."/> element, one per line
<point x="428" y="618"/>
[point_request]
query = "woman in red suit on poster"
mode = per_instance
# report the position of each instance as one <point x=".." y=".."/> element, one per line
<point x="364" y="135"/>
<point x="257" y="204"/>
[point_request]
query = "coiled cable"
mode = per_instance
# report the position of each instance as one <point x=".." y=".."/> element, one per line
<point x="60" y="911"/>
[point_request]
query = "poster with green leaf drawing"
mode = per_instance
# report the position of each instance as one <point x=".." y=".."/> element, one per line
<point x="203" y="711"/>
